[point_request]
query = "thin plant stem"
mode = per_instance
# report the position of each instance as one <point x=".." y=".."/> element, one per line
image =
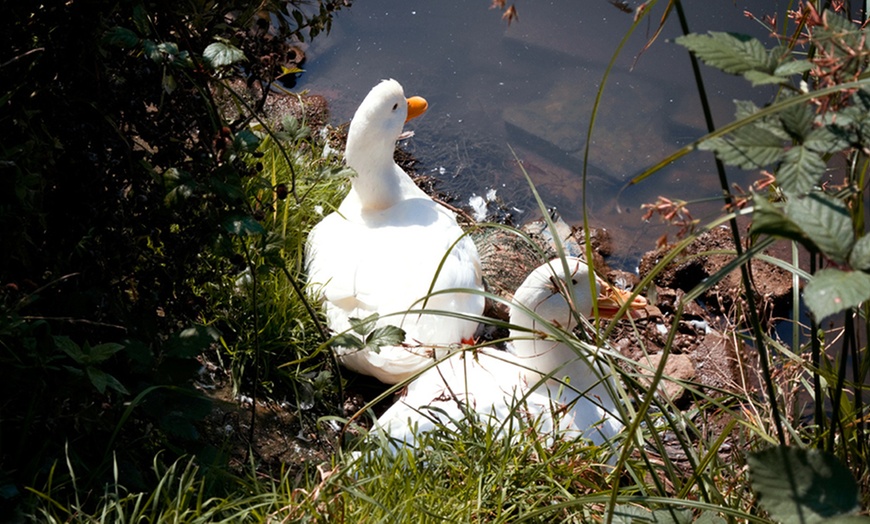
<point x="754" y="321"/>
<point x="858" y="408"/>
<point x="848" y="340"/>
<point x="816" y="356"/>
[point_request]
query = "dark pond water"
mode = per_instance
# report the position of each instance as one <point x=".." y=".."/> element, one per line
<point x="530" y="87"/>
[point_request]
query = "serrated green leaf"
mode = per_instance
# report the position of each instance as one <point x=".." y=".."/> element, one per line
<point x="793" y="67"/>
<point x="744" y="109"/>
<point x="102" y="352"/>
<point x="178" y="194"/>
<point x="823" y="140"/>
<point x="800" y="485"/>
<point x="800" y="171"/>
<point x="826" y="221"/>
<point x="347" y="340"/>
<point x="221" y="54"/>
<point x="710" y="518"/>
<point x="760" y="78"/>
<point x="769" y="219"/>
<point x="832" y="290"/>
<point x="246" y="141"/>
<point x="859" y="258"/>
<point x="113" y="383"/>
<point x="170" y="49"/>
<point x="364" y="326"/>
<point x="121" y="37"/>
<point x="732" y="53"/>
<point x="68" y="346"/>
<point x="152" y="51"/>
<point x="385" y="336"/>
<point x="627" y="514"/>
<point x="99" y="379"/>
<point x="749" y="147"/>
<point x="244" y="226"/>
<point x="797" y="120"/>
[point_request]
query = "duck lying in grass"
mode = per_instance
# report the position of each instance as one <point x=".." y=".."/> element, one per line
<point x="388" y="246"/>
<point x="552" y="384"/>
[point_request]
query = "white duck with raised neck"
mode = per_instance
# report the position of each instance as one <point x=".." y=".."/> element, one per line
<point x="381" y="250"/>
<point x="542" y="380"/>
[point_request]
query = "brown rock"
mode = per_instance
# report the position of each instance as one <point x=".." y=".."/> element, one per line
<point x="718" y="363"/>
<point x="677" y="368"/>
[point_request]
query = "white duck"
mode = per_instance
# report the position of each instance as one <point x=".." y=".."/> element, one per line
<point x="380" y="252"/>
<point x="542" y="380"/>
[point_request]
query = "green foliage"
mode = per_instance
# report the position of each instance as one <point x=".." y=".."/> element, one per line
<point x="88" y="357"/>
<point x="816" y="124"/>
<point x="369" y="337"/>
<point x="744" y="55"/>
<point x="124" y="196"/>
<point x="800" y="485"/>
<point x="222" y="54"/>
<point x="798" y="141"/>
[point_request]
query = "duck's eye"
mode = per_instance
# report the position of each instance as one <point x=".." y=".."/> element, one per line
<point x="574" y="281"/>
<point x="395" y="106"/>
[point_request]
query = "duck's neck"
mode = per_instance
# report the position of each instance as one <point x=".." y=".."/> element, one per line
<point x="543" y="356"/>
<point x="378" y="184"/>
<point x="561" y="364"/>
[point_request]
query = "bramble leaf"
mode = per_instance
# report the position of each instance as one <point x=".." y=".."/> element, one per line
<point x="102" y="380"/>
<point x="768" y="219"/>
<point x="221" y="54"/>
<point x="824" y="140"/>
<point x="800" y="171"/>
<point x="793" y="67"/>
<point x="802" y="485"/>
<point x="826" y="221"/>
<point x="385" y="336"/>
<point x="69" y="346"/>
<point x="749" y="147"/>
<point x="364" y="326"/>
<point x="732" y="53"/>
<point x="832" y="290"/>
<point x="121" y="37"/>
<point x="347" y="340"/>
<point x="797" y="120"/>
<point x="859" y="258"/>
<point x="102" y="352"/>
<point x="760" y="78"/>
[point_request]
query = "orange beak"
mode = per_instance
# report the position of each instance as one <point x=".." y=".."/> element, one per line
<point x="611" y="300"/>
<point x="416" y="107"/>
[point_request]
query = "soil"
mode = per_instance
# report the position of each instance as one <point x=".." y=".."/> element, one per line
<point x="705" y="350"/>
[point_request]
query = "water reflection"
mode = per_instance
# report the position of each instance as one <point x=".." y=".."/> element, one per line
<point x="531" y="86"/>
